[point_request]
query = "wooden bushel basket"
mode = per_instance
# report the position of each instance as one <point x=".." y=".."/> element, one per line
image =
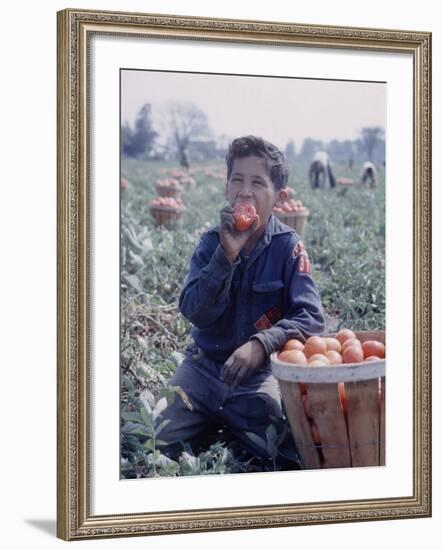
<point x="296" y="220"/>
<point x="325" y="435"/>
<point x="166" y="216"/>
<point x="168" y="191"/>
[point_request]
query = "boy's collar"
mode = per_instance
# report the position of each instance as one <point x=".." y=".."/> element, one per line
<point x="274" y="227"/>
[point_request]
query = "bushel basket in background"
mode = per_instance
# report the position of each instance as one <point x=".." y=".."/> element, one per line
<point x="166" y="216"/>
<point x="164" y="190"/>
<point x="326" y="435"/>
<point x="296" y="220"/>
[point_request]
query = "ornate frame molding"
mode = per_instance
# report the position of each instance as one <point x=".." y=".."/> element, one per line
<point x="75" y="28"/>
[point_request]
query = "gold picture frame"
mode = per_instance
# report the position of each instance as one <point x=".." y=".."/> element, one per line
<point x="75" y="29"/>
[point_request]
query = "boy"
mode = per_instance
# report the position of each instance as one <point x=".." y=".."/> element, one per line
<point x="246" y="293"/>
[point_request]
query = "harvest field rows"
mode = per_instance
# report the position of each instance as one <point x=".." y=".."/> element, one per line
<point x="345" y="239"/>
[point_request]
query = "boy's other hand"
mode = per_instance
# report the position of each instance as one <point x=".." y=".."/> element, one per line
<point x="243" y="362"/>
<point x="231" y="240"/>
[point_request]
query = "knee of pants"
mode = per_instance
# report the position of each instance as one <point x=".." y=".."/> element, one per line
<point x="253" y="414"/>
<point x="183" y="424"/>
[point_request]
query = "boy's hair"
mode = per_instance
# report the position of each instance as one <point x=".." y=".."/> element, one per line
<point x="258" y="147"/>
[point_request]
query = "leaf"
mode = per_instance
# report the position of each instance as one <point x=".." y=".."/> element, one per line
<point x="142" y="370"/>
<point x="133" y="281"/>
<point x="131" y="239"/>
<point x="148" y="445"/>
<point x="133" y="416"/>
<point x="257" y="440"/>
<point x="161" y="426"/>
<point x="177" y="358"/>
<point x="127" y="382"/>
<point x="135" y="259"/>
<point x="189" y="462"/>
<point x="142" y="342"/>
<point x="148" y="397"/>
<point x="159" y="408"/>
<point x="135" y="429"/>
<point x="147" y="243"/>
<point x="182" y="394"/>
<point x="146" y="405"/>
<point x="147" y="418"/>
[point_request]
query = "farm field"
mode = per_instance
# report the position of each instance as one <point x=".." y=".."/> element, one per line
<point x="344" y="236"/>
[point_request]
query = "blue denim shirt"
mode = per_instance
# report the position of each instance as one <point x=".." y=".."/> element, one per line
<point x="269" y="295"/>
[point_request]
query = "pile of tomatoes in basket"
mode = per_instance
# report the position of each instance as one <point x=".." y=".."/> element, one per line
<point x="343" y="348"/>
<point x="168" y="202"/>
<point x="289" y="206"/>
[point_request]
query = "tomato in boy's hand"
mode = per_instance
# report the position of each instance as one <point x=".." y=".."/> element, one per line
<point x="244" y="216"/>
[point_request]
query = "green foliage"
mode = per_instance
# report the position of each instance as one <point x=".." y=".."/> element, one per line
<point x="141" y="444"/>
<point x="345" y="238"/>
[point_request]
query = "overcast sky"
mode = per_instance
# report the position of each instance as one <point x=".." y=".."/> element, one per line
<point x="278" y="109"/>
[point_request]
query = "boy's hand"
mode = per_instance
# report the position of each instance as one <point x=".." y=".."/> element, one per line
<point x="231" y="240"/>
<point x="243" y="362"/>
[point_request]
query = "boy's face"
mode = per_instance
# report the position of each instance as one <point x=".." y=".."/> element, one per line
<point x="250" y="182"/>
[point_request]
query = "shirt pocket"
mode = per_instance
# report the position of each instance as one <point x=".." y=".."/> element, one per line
<point x="267" y="291"/>
<point x="267" y="296"/>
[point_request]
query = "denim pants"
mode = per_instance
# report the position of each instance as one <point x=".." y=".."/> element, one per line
<point x="250" y="407"/>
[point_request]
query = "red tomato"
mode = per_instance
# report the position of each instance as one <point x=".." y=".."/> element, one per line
<point x="244" y="216"/>
<point x="372" y="347"/>
<point x="333" y="344"/>
<point x="350" y="342"/>
<point x="352" y="354"/>
<point x="318" y="357"/>
<point x="294" y="356"/>
<point x="318" y="363"/>
<point x="315" y="344"/>
<point x="334" y="357"/>
<point x="344" y="334"/>
<point x="293" y="343"/>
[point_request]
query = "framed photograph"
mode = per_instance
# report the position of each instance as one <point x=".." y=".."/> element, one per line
<point x="244" y="249"/>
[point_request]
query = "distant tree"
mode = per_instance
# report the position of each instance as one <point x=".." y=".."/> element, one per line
<point x="334" y="149"/>
<point x="184" y="122"/>
<point x="290" y="150"/>
<point x="127" y="136"/>
<point x="340" y="151"/>
<point x="139" y="141"/>
<point x="310" y="147"/>
<point x="222" y="142"/>
<point x="348" y="149"/>
<point x="370" y="138"/>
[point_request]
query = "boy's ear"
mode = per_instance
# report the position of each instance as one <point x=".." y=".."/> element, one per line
<point x="282" y="195"/>
<point x="226" y="189"/>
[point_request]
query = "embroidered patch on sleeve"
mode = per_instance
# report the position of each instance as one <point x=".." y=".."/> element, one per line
<point x="268" y="319"/>
<point x="274" y="315"/>
<point x="298" y="249"/>
<point x="263" y="323"/>
<point x="304" y="265"/>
